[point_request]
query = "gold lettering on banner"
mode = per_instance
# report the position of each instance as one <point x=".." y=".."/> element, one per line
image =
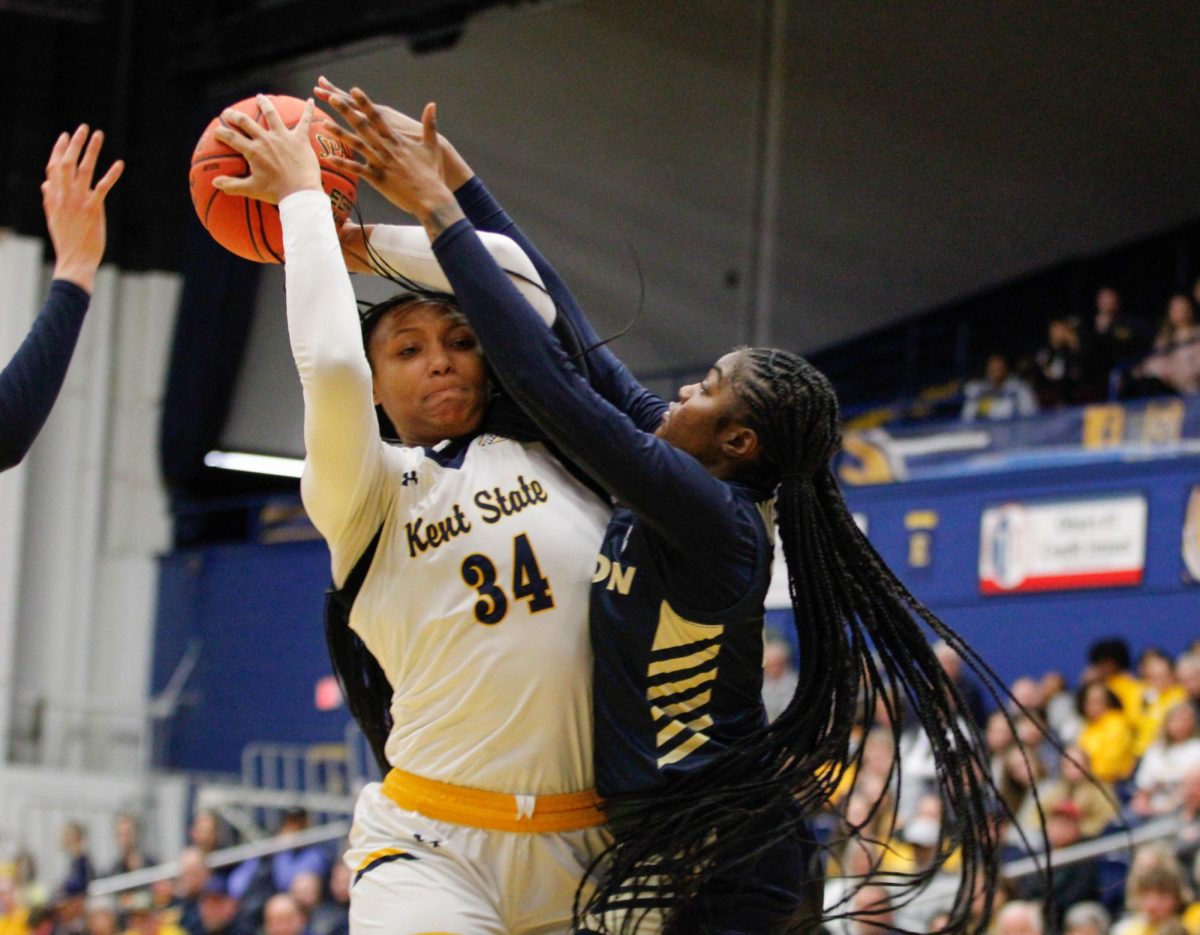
<point x="1162" y="423"/>
<point x="1103" y="426"/>
<point x="873" y="466"/>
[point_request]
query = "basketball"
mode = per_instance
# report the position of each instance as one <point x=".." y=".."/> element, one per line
<point x="246" y="226"/>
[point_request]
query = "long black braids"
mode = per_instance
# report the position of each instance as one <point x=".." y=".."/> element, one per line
<point x="863" y="641"/>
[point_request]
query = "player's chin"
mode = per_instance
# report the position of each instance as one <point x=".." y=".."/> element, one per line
<point x="455" y="417"/>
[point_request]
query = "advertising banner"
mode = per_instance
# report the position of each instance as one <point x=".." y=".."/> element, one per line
<point x="1063" y="545"/>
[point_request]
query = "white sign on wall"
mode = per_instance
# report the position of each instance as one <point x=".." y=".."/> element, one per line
<point x="1063" y="545"/>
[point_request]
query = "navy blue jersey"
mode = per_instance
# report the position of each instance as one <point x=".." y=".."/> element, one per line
<point x="30" y="382"/>
<point x="678" y="677"/>
<point x="677" y="604"/>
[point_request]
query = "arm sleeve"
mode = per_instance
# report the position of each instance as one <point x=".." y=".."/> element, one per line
<point x="30" y="383"/>
<point x="685" y="506"/>
<point x="406" y="251"/>
<point x="343" y="470"/>
<point x="607" y="373"/>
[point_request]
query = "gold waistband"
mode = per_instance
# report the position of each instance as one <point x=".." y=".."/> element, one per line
<point x="495" y="811"/>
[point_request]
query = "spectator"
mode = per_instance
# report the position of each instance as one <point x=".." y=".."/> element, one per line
<point x="1187" y="837"/>
<point x="1108" y="342"/>
<point x="207" y="831"/>
<point x="873" y="911"/>
<point x="857" y="860"/>
<point x="1087" y="919"/>
<point x="193" y="878"/>
<point x="331" y="916"/>
<point x="219" y="910"/>
<point x="70" y="910"/>
<point x="1107" y="736"/>
<point x="999" y="395"/>
<point x="1179" y="325"/>
<point x="779" y="677"/>
<point x="1095" y="800"/>
<point x="1019" y="918"/>
<point x="1157" y="896"/>
<point x="254" y="881"/>
<point x="1021" y="770"/>
<point x="79" y="869"/>
<point x="144" y="918"/>
<point x="14" y="915"/>
<point x="1059" y="704"/>
<point x="968" y="688"/>
<point x="1175" y="363"/>
<point x="1160" y="693"/>
<point x="133" y="857"/>
<point x="42" y="920"/>
<point x="1187" y="671"/>
<point x="1073" y="882"/>
<point x="1059" y="363"/>
<point x="998" y="737"/>
<point x="282" y="916"/>
<point x="1176" y="750"/>
<point x="102" y="917"/>
<point x="32" y="892"/>
<point x="1108" y="662"/>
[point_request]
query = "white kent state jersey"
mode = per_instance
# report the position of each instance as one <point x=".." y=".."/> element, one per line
<point x="476" y="601"/>
<point x="476" y="608"/>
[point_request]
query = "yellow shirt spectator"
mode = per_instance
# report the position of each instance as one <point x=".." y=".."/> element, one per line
<point x="1107" y="736"/>
<point x="15" y="922"/>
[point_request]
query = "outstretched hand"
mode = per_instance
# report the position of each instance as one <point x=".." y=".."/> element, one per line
<point x="74" y="209"/>
<point x="281" y="161"/>
<point x="405" y="167"/>
<point x="455" y="171"/>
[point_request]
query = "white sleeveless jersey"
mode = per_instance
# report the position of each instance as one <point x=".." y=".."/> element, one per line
<point x="476" y="608"/>
<point x="476" y="603"/>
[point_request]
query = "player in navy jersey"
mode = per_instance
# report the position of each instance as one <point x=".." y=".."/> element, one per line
<point x="30" y="382"/>
<point x="708" y="802"/>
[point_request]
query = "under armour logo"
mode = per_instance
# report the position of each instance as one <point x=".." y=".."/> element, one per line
<point x="423" y="840"/>
<point x="525" y="805"/>
<point x="409" y="477"/>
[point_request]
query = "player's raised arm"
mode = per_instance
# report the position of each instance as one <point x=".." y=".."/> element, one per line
<point x="341" y="435"/>
<point x="75" y="218"/>
<point x="373" y="128"/>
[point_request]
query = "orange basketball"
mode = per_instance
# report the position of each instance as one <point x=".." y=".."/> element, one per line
<point x="248" y="227"/>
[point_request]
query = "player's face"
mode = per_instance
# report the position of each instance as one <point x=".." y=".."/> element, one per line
<point x="428" y="373"/>
<point x="701" y="419"/>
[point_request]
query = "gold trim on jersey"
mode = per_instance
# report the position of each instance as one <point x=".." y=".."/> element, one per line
<point x="681" y="721"/>
<point x="494" y="811"/>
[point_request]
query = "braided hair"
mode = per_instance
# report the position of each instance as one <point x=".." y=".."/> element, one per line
<point x="863" y="641"/>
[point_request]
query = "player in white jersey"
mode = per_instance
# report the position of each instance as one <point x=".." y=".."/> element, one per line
<point x="475" y="601"/>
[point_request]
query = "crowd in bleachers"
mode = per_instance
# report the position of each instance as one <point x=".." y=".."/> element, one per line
<point x="1127" y="752"/>
<point x="299" y="891"/>
<point x="1108" y="355"/>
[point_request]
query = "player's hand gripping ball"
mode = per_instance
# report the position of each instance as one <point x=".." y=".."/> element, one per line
<point x="246" y="226"/>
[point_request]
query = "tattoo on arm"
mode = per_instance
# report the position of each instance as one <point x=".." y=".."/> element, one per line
<point x="442" y="217"/>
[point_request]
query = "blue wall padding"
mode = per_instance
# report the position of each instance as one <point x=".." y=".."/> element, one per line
<point x="256" y="612"/>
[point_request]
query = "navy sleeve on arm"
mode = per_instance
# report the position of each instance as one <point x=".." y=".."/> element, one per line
<point x="30" y="383"/>
<point x="677" y="497"/>
<point x="607" y="373"/>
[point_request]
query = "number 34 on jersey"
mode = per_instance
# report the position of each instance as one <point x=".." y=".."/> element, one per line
<point x="496" y="593"/>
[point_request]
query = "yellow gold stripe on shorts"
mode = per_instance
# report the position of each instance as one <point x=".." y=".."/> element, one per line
<point x="382" y="856"/>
